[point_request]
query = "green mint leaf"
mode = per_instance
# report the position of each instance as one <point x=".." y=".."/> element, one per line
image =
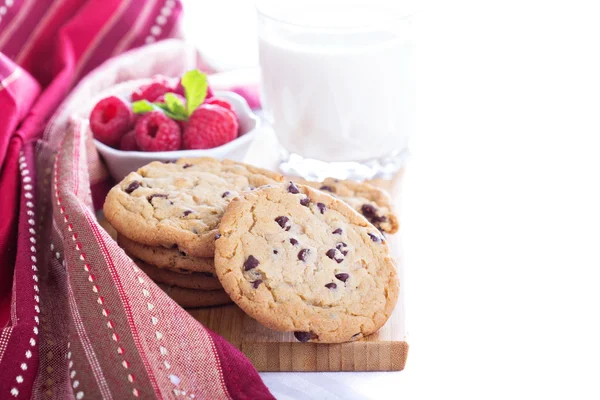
<point x="175" y="105"/>
<point x="195" y="84"/>
<point x="142" y="106"/>
<point x="177" y="117"/>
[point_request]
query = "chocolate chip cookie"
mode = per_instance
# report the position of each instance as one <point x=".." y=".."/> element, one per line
<point x="297" y="259"/>
<point x="190" y="280"/>
<point x="373" y="203"/>
<point x="180" y="204"/>
<point x="171" y="259"/>
<point x="191" y="298"/>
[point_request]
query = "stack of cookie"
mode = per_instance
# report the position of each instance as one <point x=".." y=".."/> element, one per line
<point x="166" y="216"/>
<point x="310" y="258"/>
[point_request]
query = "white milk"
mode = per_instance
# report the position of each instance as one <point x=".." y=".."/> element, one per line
<point x="339" y="97"/>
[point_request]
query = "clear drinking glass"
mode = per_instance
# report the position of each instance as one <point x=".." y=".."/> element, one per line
<point x="338" y="85"/>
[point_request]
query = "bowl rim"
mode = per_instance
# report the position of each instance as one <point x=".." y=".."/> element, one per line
<point x="240" y="140"/>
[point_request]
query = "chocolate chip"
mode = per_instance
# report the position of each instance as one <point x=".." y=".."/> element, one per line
<point x="250" y="263"/>
<point x="283" y="222"/>
<point x="305" y="202"/>
<point x="331" y="253"/>
<point x="157" y="195"/>
<point x="293" y="188"/>
<point x="331" y="285"/>
<point x="217" y="235"/>
<point x="293" y="241"/>
<point x="187" y="165"/>
<point x="342" y="277"/>
<point x="132" y="186"/>
<point x="183" y="253"/>
<point x="338" y="231"/>
<point x="303" y="254"/>
<point x="328" y="188"/>
<point x="340" y="245"/>
<point x="303" y="336"/>
<point x="275" y="252"/>
<point x="187" y="212"/>
<point x="225" y="194"/>
<point x="322" y="207"/>
<point x="344" y="253"/>
<point x="373" y="237"/>
<point x="256" y="283"/>
<point x="251" y="187"/>
<point x="368" y="210"/>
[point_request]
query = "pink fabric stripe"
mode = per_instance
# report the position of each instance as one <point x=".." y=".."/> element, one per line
<point x="144" y="32"/>
<point x="29" y="14"/>
<point x="41" y="25"/>
<point x="133" y="33"/>
<point x="12" y="20"/>
<point x="120" y="25"/>
<point x="95" y="45"/>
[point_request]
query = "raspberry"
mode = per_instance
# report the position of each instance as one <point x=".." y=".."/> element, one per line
<point x="152" y="91"/>
<point x="155" y="131"/>
<point x="219" y="102"/>
<point x="110" y="120"/>
<point x="128" y="142"/>
<point x="210" y="126"/>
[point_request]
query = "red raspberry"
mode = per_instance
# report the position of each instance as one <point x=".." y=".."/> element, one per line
<point x="110" y="120"/>
<point x="152" y="91"/>
<point x="219" y="102"/>
<point x="210" y="126"/>
<point x="128" y="142"/>
<point x="155" y="131"/>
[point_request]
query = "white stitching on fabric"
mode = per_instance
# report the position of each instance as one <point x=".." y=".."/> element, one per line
<point x="27" y="188"/>
<point x="163" y="351"/>
<point x="161" y="20"/>
<point x="87" y="268"/>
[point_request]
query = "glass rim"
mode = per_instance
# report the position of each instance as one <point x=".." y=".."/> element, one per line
<point x="262" y="6"/>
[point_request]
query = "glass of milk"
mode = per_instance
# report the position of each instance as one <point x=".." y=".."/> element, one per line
<point x="338" y="85"/>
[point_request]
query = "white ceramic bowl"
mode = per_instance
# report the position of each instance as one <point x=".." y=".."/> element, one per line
<point x="121" y="163"/>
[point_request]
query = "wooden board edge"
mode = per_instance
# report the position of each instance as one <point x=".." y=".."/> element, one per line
<point x="313" y="357"/>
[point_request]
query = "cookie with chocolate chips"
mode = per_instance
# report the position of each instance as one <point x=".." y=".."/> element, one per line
<point x="192" y="298"/>
<point x="171" y="259"/>
<point x="371" y="202"/>
<point x="297" y="259"/>
<point x="187" y="279"/>
<point x="180" y="204"/>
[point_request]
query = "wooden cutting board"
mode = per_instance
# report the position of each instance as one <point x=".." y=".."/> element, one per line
<point x="268" y="350"/>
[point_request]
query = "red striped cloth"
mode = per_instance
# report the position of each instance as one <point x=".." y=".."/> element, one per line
<point x="77" y="318"/>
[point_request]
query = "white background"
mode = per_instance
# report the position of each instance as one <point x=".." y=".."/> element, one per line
<point x="501" y="203"/>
